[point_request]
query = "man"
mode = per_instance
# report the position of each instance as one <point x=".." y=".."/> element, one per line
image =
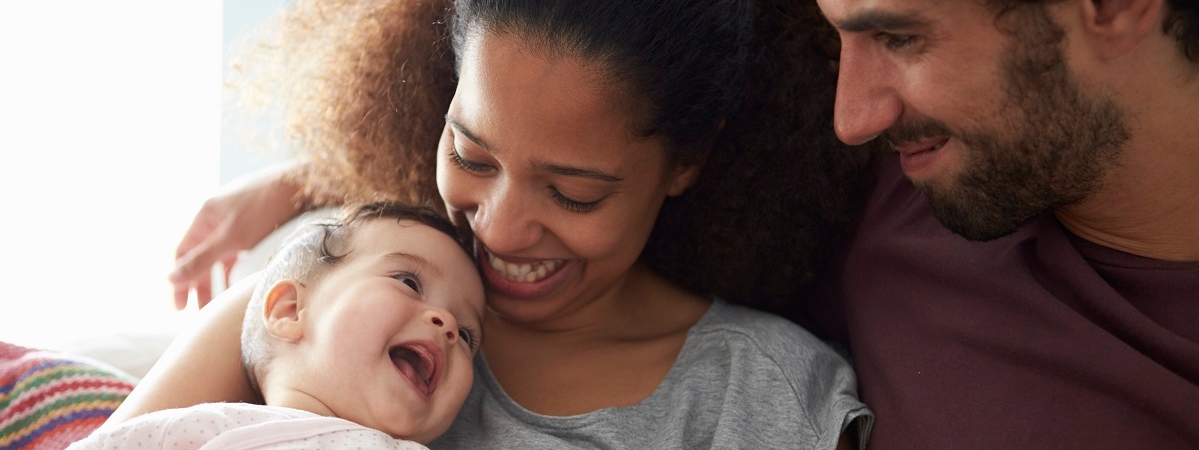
<point x="1027" y="271"/>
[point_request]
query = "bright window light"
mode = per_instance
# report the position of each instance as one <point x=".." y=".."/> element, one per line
<point x="110" y="131"/>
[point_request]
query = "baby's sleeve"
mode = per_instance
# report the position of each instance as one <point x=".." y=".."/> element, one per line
<point x="173" y="428"/>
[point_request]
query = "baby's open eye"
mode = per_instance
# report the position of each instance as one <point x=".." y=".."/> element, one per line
<point x="408" y="279"/>
<point x="468" y="337"/>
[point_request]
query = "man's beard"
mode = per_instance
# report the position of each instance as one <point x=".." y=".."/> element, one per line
<point x="1051" y="150"/>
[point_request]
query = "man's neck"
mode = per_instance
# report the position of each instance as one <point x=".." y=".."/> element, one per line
<point x="1149" y="203"/>
<point x="1171" y="236"/>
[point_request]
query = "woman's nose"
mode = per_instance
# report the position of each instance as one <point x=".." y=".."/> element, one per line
<point x="508" y="220"/>
<point x="866" y="104"/>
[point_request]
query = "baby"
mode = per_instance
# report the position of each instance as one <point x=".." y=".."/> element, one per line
<point x="360" y="333"/>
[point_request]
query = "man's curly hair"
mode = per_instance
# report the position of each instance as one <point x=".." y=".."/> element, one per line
<point x="367" y="83"/>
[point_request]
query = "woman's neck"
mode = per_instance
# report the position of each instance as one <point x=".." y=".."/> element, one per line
<point x="636" y="305"/>
<point x="566" y="368"/>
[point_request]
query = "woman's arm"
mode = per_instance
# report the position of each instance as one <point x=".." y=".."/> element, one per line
<point x="202" y="365"/>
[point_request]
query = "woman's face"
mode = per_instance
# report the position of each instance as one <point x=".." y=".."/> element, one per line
<point x="540" y="160"/>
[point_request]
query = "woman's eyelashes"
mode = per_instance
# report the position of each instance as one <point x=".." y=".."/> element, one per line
<point x="561" y="199"/>
<point x="574" y="205"/>
<point x="465" y="164"/>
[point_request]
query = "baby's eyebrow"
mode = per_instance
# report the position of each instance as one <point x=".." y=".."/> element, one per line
<point x="416" y="260"/>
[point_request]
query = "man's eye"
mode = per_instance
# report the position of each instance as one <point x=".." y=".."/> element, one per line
<point x="896" y="41"/>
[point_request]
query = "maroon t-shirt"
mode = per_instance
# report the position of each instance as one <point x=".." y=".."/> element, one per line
<point x="1039" y="340"/>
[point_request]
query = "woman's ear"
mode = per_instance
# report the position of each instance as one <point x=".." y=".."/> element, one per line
<point x="281" y="311"/>
<point x="684" y="175"/>
<point x="683" y="178"/>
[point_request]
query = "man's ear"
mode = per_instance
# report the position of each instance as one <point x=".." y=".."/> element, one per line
<point x="281" y="311"/>
<point x="1116" y="26"/>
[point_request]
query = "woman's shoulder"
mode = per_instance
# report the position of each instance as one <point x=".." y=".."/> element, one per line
<point x="778" y="368"/>
<point x="750" y="339"/>
<point x="770" y="331"/>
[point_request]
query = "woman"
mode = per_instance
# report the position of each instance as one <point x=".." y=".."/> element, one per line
<point x="588" y="146"/>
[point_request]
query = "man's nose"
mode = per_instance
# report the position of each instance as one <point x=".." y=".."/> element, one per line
<point x="867" y="102"/>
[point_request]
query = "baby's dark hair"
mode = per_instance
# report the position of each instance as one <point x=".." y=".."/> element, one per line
<point x="309" y="253"/>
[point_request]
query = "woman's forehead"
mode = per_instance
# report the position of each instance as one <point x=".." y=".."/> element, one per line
<point x="509" y="95"/>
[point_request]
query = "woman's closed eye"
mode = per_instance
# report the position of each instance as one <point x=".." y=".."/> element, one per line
<point x="575" y="205"/>
<point x="561" y="199"/>
<point x="465" y="164"/>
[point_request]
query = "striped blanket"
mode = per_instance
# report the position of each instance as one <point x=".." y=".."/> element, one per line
<point x="50" y="399"/>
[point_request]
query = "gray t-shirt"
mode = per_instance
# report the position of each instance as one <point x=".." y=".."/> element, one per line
<point x="744" y="379"/>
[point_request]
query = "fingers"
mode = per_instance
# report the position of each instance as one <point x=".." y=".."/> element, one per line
<point x="196" y="262"/>
<point x="203" y="293"/>
<point x="201" y="285"/>
<point x="193" y="271"/>
<point x="227" y="264"/>
<point x="181" y="291"/>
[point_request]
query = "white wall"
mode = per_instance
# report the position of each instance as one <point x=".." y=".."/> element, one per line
<point x="110" y="139"/>
<point x="239" y="154"/>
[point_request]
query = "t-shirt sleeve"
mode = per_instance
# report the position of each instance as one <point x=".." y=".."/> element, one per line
<point x="800" y="380"/>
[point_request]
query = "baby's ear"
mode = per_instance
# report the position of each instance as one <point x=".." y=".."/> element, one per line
<point x="281" y="311"/>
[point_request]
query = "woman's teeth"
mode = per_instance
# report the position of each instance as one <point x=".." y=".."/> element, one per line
<point x="523" y="273"/>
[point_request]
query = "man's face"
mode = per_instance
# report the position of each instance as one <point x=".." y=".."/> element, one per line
<point x="989" y="123"/>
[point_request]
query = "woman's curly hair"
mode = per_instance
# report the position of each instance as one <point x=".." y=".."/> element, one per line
<point x="780" y="194"/>
<point x="363" y="87"/>
<point x="367" y="84"/>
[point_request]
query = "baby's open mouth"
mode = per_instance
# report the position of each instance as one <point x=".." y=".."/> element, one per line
<point x="418" y="364"/>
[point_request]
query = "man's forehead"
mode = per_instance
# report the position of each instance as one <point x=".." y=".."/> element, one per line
<point x="854" y="15"/>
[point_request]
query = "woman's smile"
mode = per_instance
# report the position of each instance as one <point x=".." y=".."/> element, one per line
<point x="521" y="278"/>
<point x="523" y="272"/>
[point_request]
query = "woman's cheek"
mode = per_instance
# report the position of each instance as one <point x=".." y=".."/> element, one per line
<point x="449" y="194"/>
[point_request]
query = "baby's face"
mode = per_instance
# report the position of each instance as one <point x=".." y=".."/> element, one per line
<point x="391" y="332"/>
